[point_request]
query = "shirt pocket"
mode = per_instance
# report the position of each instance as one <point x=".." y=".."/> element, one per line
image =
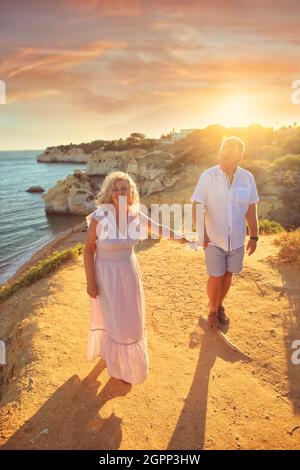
<point x="242" y="194"/>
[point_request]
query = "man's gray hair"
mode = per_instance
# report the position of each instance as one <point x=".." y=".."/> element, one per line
<point x="235" y="143"/>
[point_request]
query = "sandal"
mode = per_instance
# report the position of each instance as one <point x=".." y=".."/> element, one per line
<point x="212" y="320"/>
<point x="223" y="318"/>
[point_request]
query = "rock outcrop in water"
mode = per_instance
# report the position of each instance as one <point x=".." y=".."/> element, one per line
<point x="56" y="155"/>
<point x="35" y="189"/>
<point x="73" y="195"/>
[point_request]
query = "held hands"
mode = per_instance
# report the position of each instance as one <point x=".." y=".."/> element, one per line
<point x="191" y="243"/>
<point x="92" y="289"/>
<point x="183" y="240"/>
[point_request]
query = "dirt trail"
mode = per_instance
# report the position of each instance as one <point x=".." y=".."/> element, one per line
<point x="199" y="393"/>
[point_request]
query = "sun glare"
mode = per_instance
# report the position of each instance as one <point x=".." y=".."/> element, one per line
<point x="236" y="110"/>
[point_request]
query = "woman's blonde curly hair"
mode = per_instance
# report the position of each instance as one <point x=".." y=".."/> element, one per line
<point x="104" y="196"/>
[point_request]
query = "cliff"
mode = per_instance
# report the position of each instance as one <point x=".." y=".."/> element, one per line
<point x="153" y="171"/>
<point x="57" y="155"/>
<point x="164" y="176"/>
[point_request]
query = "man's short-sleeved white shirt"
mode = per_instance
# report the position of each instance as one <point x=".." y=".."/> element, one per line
<point x="226" y="205"/>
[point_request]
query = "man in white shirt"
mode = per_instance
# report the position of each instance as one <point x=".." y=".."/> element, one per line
<point x="228" y="196"/>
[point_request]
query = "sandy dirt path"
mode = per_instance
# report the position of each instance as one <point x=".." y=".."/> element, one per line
<point x="199" y="394"/>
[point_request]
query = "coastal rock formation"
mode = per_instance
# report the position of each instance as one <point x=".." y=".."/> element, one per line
<point x="164" y="177"/>
<point x="152" y="171"/>
<point x="73" y="195"/>
<point x="101" y="163"/>
<point x="57" y="155"/>
<point x="35" y="189"/>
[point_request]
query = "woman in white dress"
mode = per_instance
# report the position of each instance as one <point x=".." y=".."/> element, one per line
<point x="114" y="284"/>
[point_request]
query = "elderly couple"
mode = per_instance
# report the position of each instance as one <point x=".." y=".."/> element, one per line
<point x="225" y="193"/>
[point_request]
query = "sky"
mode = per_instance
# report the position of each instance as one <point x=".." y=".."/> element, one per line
<point x="77" y="71"/>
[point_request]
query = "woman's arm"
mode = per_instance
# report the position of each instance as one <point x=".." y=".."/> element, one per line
<point x="150" y="227"/>
<point x="88" y="258"/>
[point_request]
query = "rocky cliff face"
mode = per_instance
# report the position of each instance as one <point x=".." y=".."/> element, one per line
<point x="152" y="171"/>
<point x="162" y="178"/>
<point x="279" y="199"/>
<point x="56" y="155"/>
<point x="73" y="195"/>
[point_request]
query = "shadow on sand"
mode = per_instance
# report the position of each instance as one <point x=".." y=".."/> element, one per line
<point x="291" y="325"/>
<point x="190" y="428"/>
<point x="70" y="419"/>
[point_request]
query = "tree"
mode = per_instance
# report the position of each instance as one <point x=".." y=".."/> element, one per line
<point x="137" y="135"/>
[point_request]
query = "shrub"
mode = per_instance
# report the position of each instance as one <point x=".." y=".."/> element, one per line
<point x="289" y="246"/>
<point x="41" y="269"/>
<point x="288" y="162"/>
<point x="267" y="226"/>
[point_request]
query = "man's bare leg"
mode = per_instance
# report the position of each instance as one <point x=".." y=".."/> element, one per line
<point x="223" y="318"/>
<point x="214" y="288"/>
<point x="226" y="283"/>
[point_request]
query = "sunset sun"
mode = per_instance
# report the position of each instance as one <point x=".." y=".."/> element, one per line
<point x="236" y="110"/>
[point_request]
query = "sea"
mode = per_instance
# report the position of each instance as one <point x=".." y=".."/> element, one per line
<point x="24" y="225"/>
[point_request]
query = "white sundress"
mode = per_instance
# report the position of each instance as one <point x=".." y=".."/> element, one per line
<point x="117" y="315"/>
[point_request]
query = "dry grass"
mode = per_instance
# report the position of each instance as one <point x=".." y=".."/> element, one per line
<point x="289" y="246"/>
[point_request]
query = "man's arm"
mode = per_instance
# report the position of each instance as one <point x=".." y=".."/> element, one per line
<point x="252" y="222"/>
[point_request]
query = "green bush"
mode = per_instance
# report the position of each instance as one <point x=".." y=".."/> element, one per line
<point x="267" y="226"/>
<point x="256" y="164"/>
<point x="288" y="162"/>
<point x="41" y="269"/>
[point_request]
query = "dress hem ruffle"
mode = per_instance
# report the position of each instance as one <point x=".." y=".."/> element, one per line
<point x="128" y="362"/>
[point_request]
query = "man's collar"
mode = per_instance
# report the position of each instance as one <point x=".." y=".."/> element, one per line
<point x="221" y="171"/>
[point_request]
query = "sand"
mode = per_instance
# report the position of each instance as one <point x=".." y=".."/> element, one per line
<point x="200" y="394"/>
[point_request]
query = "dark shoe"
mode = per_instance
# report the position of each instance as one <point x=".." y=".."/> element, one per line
<point x="223" y="318"/>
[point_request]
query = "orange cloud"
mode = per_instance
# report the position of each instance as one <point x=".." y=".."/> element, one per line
<point x="29" y="58"/>
<point x="107" y="8"/>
